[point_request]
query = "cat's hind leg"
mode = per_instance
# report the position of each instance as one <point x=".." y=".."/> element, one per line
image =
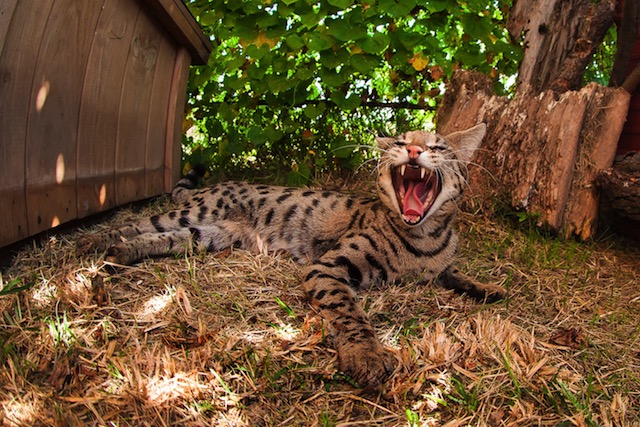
<point x="211" y="238"/>
<point x="104" y="240"/>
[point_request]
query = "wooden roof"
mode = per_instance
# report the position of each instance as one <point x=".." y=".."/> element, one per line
<point x="180" y="23"/>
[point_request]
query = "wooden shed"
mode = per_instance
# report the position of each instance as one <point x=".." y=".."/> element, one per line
<point x="92" y="99"/>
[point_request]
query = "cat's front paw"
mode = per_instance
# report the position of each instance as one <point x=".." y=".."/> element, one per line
<point x="493" y="293"/>
<point x="454" y="279"/>
<point x="367" y="363"/>
<point x="121" y="253"/>
<point x="88" y="243"/>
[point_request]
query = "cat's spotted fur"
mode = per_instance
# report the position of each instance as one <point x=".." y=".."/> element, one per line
<point x="348" y="243"/>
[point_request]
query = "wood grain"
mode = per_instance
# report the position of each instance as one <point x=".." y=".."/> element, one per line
<point x="17" y="66"/>
<point x="133" y="112"/>
<point x="53" y="113"/>
<point x="175" y="116"/>
<point x="157" y="124"/>
<point x="103" y="85"/>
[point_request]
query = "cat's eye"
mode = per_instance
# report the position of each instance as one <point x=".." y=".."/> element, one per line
<point x="437" y="147"/>
<point x="399" y="143"/>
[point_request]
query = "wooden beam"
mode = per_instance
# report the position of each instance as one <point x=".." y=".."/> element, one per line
<point x="178" y="21"/>
<point x="175" y="115"/>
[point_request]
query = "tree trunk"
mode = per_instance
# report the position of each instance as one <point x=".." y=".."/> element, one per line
<point x="542" y="150"/>
<point x="620" y="193"/>
<point x="627" y="34"/>
<point x="560" y="37"/>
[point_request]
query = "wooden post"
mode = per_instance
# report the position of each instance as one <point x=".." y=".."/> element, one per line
<point x="175" y="116"/>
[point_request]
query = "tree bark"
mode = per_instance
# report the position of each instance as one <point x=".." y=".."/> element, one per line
<point x="627" y="34"/>
<point x="559" y="37"/>
<point x="542" y="150"/>
<point x="620" y="191"/>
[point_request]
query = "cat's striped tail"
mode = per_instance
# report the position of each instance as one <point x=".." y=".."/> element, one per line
<point x="182" y="189"/>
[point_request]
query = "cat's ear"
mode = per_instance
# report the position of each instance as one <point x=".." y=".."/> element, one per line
<point x="466" y="142"/>
<point x="384" y="142"/>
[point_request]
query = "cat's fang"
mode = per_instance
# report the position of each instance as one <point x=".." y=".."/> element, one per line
<point x="402" y="169"/>
<point x="422" y="172"/>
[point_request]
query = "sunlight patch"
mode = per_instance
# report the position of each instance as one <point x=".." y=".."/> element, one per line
<point x="287" y="332"/>
<point x="44" y="293"/>
<point x="155" y="305"/>
<point x="43" y="93"/>
<point x="21" y="413"/>
<point x="180" y="386"/>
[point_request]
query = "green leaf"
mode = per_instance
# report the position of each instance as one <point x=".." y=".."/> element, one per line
<point x="318" y="41"/>
<point x="305" y="72"/>
<point x="435" y="6"/>
<point x="364" y="64"/>
<point x="475" y="26"/>
<point x="341" y="148"/>
<point x="341" y="4"/>
<point x="344" y="30"/>
<point x="396" y="8"/>
<point x="299" y="177"/>
<point x="311" y="19"/>
<point x="255" y="72"/>
<point x="332" y="78"/>
<point x="246" y="28"/>
<point x="410" y="39"/>
<point x="332" y="59"/>
<point x="208" y="18"/>
<point x="312" y="111"/>
<point x="375" y="44"/>
<point x="234" y="63"/>
<point x="343" y="102"/>
<point x="259" y="135"/>
<point x="257" y="52"/>
<point x="225" y="112"/>
<point x="294" y="41"/>
<point x="267" y="20"/>
<point x="13" y="287"/>
<point x="256" y="136"/>
<point x="280" y="82"/>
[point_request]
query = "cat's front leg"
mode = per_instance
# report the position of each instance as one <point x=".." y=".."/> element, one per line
<point x="454" y="279"/>
<point x="361" y="354"/>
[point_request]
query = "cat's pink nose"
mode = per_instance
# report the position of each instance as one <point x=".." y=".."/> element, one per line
<point x="414" y="151"/>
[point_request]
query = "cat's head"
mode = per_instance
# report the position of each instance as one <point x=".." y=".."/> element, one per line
<point x="419" y="171"/>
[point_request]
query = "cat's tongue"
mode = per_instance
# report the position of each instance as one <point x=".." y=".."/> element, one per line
<point x="412" y="207"/>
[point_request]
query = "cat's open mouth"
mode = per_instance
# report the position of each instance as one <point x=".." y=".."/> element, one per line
<point x="416" y="190"/>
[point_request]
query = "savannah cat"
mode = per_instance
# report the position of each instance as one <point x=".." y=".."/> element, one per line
<point x="348" y="243"/>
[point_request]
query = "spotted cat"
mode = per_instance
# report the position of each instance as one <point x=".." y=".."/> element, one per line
<point x="348" y="243"/>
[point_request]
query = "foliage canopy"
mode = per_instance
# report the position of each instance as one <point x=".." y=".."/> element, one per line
<point x="297" y="86"/>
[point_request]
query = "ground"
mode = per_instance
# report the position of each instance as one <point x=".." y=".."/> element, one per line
<point x="227" y="339"/>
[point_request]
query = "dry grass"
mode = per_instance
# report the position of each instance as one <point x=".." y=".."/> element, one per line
<point x="228" y="339"/>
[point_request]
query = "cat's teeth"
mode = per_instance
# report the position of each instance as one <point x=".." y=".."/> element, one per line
<point x="402" y="169"/>
<point x="422" y="172"/>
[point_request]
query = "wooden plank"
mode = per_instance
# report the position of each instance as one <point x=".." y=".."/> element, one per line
<point x="133" y="113"/>
<point x="157" y="125"/>
<point x="542" y="151"/>
<point x="175" y="116"/>
<point x="53" y="114"/>
<point x="605" y="118"/>
<point x="103" y="84"/>
<point x="178" y="21"/>
<point x="17" y="62"/>
<point x="7" y="8"/>
<point x="559" y="130"/>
